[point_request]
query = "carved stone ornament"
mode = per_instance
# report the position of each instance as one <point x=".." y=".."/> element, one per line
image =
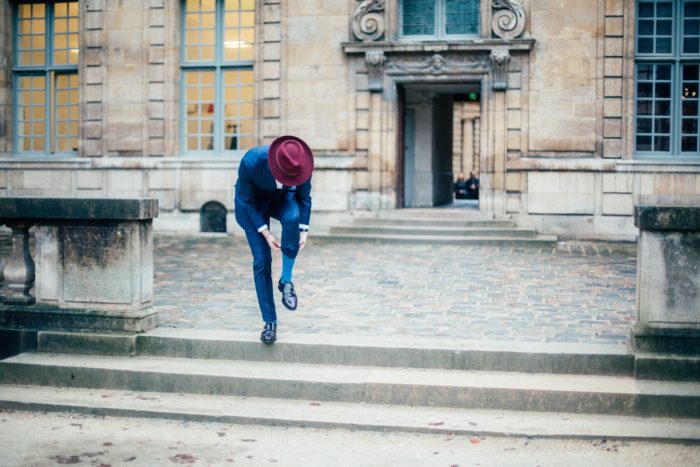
<point x="500" y="58"/>
<point x="436" y="64"/>
<point x="375" y="67"/>
<point x="509" y="21"/>
<point x="368" y="20"/>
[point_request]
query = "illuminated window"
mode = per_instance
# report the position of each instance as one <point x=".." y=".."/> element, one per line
<point x="439" y="18"/>
<point x="46" y="77"/>
<point x="667" y="78"/>
<point x="218" y="53"/>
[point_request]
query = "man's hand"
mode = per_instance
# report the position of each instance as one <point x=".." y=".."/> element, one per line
<point x="271" y="240"/>
<point x="302" y="240"/>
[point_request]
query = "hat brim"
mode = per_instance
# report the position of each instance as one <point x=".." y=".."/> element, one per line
<point x="307" y="162"/>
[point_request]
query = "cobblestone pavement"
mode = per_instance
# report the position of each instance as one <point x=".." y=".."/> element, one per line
<point x="576" y="292"/>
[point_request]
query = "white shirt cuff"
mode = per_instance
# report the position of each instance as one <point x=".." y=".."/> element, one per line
<point x="303" y="227"/>
<point x="260" y="229"/>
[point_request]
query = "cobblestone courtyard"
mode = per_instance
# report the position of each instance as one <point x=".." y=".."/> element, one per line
<point x="577" y="292"/>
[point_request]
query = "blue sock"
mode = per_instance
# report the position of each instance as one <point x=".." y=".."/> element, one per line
<point x="287" y="266"/>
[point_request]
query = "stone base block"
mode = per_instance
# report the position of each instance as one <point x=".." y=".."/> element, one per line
<point x="48" y="317"/>
<point x="665" y="341"/>
<point x="16" y="341"/>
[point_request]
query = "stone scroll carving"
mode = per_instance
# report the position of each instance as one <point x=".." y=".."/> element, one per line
<point x="500" y="56"/>
<point x="509" y="20"/>
<point x="368" y="20"/>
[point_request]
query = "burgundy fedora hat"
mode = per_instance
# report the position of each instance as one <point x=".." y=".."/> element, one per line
<point x="291" y="161"/>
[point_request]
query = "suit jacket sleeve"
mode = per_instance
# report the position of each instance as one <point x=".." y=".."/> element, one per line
<point x="304" y="200"/>
<point x="245" y="195"/>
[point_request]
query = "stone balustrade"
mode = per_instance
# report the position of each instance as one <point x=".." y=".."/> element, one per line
<point x="668" y="280"/>
<point x="94" y="264"/>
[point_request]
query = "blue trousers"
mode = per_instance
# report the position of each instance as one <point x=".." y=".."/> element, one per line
<point x="286" y="210"/>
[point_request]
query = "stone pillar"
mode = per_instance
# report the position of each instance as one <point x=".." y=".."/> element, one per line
<point x="668" y="280"/>
<point x="18" y="273"/>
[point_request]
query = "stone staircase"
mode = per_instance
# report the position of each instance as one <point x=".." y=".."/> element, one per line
<point x="511" y="389"/>
<point x="439" y="225"/>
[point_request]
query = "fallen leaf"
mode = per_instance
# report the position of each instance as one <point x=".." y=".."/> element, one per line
<point x="315" y="404"/>
<point x="221" y="434"/>
<point x="65" y="459"/>
<point x="475" y="440"/>
<point x="436" y="423"/>
<point x="107" y="444"/>
<point x="183" y="459"/>
<point x="450" y="436"/>
<point x="129" y="459"/>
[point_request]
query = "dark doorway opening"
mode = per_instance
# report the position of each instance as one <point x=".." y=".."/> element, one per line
<point x="438" y="139"/>
<point x="212" y="217"/>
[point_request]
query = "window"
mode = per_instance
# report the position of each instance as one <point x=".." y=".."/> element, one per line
<point x="217" y="75"/>
<point x="667" y="78"/>
<point x="439" y="18"/>
<point x="46" y="77"/>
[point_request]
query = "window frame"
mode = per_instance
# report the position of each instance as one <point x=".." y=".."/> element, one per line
<point x="439" y="25"/>
<point x="50" y="72"/>
<point x="676" y="59"/>
<point x="219" y="66"/>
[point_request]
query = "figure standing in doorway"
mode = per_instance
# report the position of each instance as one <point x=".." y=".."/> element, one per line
<point x="472" y="186"/>
<point x="275" y="181"/>
<point x="460" y="187"/>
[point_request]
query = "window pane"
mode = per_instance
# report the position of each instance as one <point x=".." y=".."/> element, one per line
<point x="239" y="110"/>
<point x="239" y="31"/>
<point x="653" y="102"/>
<point x="31" y="109"/>
<point x="654" y="26"/>
<point x="66" y="109"/>
<point x="643" y="143"/>
<point x="199" y="109"/>
<point x="418" y="17"/>
<point x="462" y="16"/>
<point x="691" y="28"/>
<point x="662" y="143"/>
<point x="689" y="144"/>
<point x="31" y="38"/>
<point x="200" y="30"/>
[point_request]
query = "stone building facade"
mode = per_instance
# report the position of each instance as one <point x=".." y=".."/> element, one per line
<point x="548" y="101"/>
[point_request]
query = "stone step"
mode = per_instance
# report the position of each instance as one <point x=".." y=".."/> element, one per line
<point x="390" y="229"/>
<point x="538" y="241"/>
<point x="403" y="352"/>
<point x="360" y="384"/>
<point x="330" y="415"/>
<point x="430" y="213"/>
<point x="434" y="222"/>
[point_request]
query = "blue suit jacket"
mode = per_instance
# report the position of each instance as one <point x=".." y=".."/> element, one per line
<point x="256" y="190"/>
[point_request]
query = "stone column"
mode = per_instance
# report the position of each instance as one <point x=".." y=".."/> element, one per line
<point x="668" y="280"/>
<point x="19" y="269"/>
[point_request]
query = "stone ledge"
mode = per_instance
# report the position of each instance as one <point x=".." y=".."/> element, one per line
<point x="676" y="218"/>
<point x="49" y="317"/>
<point x="78" y="208"/>
<point x="646" y="340"/>
<point x="438" y="45"/>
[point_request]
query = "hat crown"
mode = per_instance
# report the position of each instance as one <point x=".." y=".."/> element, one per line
<point x="290" y="157"/>
<point x="291" y="161"/>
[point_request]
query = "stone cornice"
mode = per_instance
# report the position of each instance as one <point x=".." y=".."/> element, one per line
<point x="481" y="45"/>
